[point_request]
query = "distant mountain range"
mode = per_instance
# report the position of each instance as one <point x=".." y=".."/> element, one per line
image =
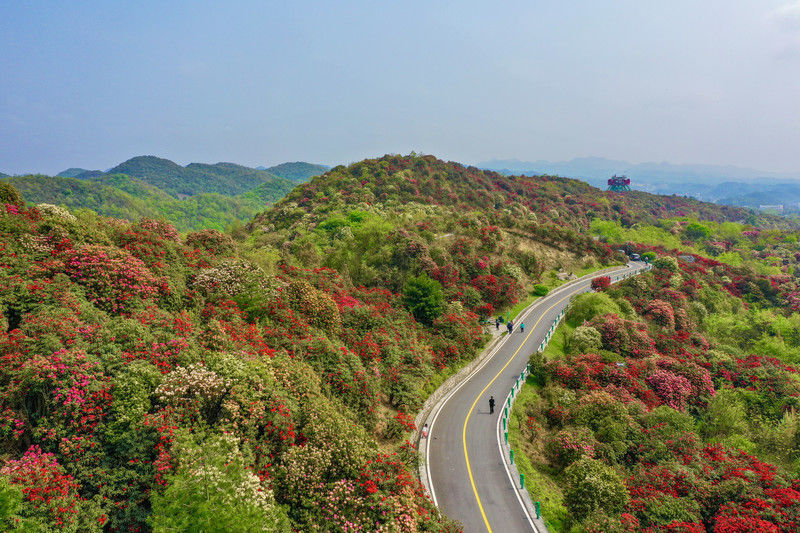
<point x="713" y="183"/>
<point x="197" y="178"/>
<point x="193" y="197"/>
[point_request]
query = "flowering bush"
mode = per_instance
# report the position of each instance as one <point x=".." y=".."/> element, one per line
<point x="569" y="445"/>
<point x="114" y="280"/>
<point x="671" y="388"/>
<point x="601" y="283"/>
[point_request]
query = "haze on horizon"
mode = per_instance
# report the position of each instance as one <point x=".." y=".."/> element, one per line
<point x="94" y="83"/>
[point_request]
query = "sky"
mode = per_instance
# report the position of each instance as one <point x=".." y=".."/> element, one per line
<point x="92" y="83"/>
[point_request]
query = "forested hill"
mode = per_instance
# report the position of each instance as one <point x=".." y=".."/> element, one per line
<point x="297" y="172"/>
<point x="197" y="196"/>
<point x="425" y="179"/>
<point x="195" y="178"/>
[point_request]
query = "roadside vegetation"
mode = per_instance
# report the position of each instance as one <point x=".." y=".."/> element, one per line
<point x="668" y="402"/>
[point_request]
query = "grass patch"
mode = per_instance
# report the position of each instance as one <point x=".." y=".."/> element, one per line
<point x="541" y="487"/>
<point x="556" y="348"/>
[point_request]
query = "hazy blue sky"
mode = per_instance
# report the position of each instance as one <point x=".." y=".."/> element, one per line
<point x="91" y="84"/>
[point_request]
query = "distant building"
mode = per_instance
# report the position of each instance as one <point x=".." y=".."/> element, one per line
<point x="619" y="183"/>
<point x="773" y="207"/>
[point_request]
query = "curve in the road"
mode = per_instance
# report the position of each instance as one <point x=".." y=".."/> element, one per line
<point x="449" y="472"/>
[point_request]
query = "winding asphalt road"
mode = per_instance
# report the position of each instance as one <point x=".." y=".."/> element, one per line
<point x="467" y="477"/>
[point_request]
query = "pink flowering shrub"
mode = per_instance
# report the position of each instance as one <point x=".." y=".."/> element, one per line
<point x="569" y="445"/>
<point x="671" y="388"/>
<point x="661" y="313"/>
<point x="47" y="489"/>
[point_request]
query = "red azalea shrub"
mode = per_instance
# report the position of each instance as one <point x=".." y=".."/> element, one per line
<point x="114" y="280"/>
<point x="601" y="283"/>
<point x="500" y="291"/>
<point x="46" y="487"/>
<point x="671" y="388"/>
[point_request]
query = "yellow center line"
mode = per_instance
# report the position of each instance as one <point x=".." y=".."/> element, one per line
<point x="464" y="432"/>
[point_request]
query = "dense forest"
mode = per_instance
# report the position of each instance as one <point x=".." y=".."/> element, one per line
<point x="280" y="365"/>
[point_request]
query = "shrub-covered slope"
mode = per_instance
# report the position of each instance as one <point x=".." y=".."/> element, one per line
<point x="141" y="369"/>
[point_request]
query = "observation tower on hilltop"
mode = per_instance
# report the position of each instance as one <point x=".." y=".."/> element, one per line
<point x="619" y="183"/>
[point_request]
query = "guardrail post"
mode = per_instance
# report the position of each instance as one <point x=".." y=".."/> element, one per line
<point x="511" y="452"/>
<point x="522" y="481"/>
<point x="506" y="434"/>
<point x="504" y="424"/>
<point x="538" y="506"/>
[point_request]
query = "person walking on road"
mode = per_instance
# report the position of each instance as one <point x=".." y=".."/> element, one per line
<point x="496" y="323"/>
<point x="522" y="327"/>
<point x="425" y="431"/>
<point x="491" y="404"/>
<point x="510" y="326"/>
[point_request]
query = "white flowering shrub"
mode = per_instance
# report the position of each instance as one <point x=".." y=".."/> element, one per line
<point x="193" y="391"/>
<point x="232" y="277"/>
<point x="56" y="212"/>
<point x="213" y="489"/>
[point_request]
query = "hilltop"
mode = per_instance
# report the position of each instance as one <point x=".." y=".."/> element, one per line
<point x="297" y="172"/>
<point x="74" y="172"/>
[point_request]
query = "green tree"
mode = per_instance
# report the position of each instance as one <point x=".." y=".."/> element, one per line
<point x="592" y="485"/>
<point x="588" y="305"/>
<point x="9" y="194"/>
<point x="423" y="297"/>
<point x="585" y="339"/>
<point x="666" y="263"/>
<point x="696" y="232"/>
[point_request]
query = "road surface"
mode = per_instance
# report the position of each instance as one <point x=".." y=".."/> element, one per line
<point x="467" y="476"/>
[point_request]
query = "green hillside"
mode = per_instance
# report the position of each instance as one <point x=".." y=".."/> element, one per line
<point x="297" y="172"/>
<point x="77" y="194"/>
<point x="89" y="174"/>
